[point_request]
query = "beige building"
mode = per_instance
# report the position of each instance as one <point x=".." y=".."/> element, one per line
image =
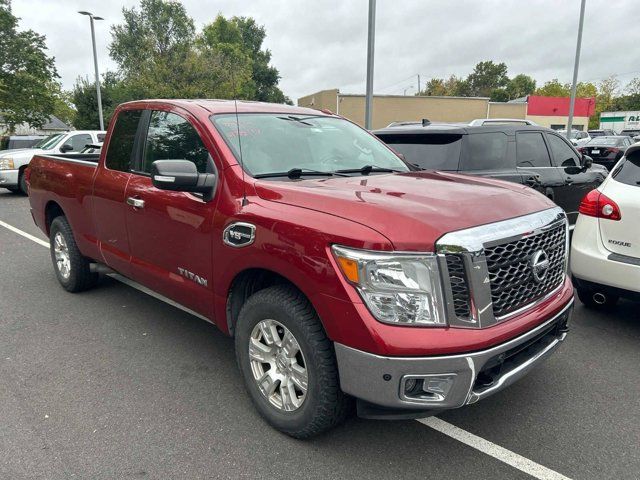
<point x="394" y="108"/>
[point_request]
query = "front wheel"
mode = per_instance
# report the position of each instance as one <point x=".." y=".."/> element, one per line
<point x="288" y="363"/>
<point x="71" y="267"/>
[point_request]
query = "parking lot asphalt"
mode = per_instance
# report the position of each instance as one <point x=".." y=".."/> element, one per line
<point x="113" y="383"/>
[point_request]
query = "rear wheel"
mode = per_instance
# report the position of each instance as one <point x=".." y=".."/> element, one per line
<point x="71" y="267"/>
<point x="288" y="363"/>
<point x="597" y="299"/>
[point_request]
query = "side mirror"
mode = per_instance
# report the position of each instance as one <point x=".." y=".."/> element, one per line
<point x="66" y="148"/>
<point x="587" y="161"/>
<point x="182" y="176"/>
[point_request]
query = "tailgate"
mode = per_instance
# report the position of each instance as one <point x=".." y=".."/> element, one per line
<point x="622" y="236"/>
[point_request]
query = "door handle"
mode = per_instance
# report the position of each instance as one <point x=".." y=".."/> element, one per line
<point x="135" y="202"/>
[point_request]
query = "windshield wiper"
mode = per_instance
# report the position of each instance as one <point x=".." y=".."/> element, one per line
<point x="296" y="173"/>
<point x="367" y="169"/>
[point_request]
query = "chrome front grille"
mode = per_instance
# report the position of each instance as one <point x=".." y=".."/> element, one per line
<point x="495" y="270"/>
<point x="459" y="285"/>
<point x="510" y="273"/>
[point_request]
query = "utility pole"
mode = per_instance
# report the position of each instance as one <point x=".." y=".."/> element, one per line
<point x="572" y="101"/>
<point x="418" y="84"/>
<point x="370" y="51"/>
<point x="95" y="64"/>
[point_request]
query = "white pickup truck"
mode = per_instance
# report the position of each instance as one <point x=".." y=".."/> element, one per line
<point x="14" y="162"/>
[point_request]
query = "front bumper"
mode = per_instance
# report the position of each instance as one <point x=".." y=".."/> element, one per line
<point x="453" y="380"/>
<point x="8" y="178"/>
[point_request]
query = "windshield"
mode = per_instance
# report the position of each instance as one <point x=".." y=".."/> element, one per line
<point x="629" y="170"/>
<point x="49" y="141"/>
<point x="596" y="133"/>
<point x="278" y="143"/>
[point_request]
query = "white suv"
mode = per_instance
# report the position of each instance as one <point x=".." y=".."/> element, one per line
<point x="14" y="162"/>
<point x="605" y="251"/>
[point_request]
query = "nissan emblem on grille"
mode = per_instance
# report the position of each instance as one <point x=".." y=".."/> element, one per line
<point x="539" y="265"/>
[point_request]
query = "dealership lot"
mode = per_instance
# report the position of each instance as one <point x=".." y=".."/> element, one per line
<point x="113" y="383"/>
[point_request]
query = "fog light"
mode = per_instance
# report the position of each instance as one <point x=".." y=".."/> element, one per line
<point x="428" y="388"/>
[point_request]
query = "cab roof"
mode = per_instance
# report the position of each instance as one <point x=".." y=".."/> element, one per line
<point x="215" y="106"/>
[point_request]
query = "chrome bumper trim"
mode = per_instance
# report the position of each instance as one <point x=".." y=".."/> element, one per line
<point x="378" y="379"/>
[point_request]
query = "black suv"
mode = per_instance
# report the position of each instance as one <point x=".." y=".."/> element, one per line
<point x="530" y="155"/>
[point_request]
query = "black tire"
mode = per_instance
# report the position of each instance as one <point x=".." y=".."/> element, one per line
<point x="325" y="405"/>
<point x="79" y="277"/>
<point x="13" y="189"/>
<point x="586" y="297"/>
<point x="22" y="183"/>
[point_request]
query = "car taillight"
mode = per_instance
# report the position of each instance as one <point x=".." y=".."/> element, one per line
<point x="597" y="204"/>
<point x="581" y="149"/>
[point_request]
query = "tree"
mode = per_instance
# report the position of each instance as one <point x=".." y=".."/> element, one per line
<point x="633" y="87"/>
<point x="26" y="73"/>
<point x="240" y="39"/>
<point x="520" y="86"/>
<point x="553" y="88"/>
<point x="486" y="77"/>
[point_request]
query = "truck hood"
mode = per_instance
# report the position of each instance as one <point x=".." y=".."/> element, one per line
<point x="22" y="152"/>
<point x="413" y="210"/>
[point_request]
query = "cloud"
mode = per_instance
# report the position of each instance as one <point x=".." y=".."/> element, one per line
<point x="322" y="44"/>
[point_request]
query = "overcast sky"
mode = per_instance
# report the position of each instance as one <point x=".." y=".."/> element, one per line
<point x="321" y="44"/>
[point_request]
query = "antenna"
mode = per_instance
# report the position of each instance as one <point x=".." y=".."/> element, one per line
<point x="235" y="103"/>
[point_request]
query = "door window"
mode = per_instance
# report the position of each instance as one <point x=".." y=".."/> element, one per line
<point x="486" y="151"/>
<point x="563" y="154"/>
<point x="531" y="150"/>
<point x="171" y="137"/>
<point x="122" y="139"/>
<point x="78" y="142"/>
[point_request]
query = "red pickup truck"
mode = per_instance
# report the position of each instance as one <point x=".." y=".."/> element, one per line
<point x="341" y="271"/>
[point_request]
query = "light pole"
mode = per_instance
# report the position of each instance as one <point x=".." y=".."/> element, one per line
<point x="572" y="100"/>
<point x="95" y="63"/>
<point x="370" y="50"/>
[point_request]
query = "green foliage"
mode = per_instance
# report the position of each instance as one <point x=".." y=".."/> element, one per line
<point x="26" y="73"/>
<point x="553" y="88"/>
<point x="520" y="86"/>
<point x="159" y="54"/>
<point x="486" y="77"/>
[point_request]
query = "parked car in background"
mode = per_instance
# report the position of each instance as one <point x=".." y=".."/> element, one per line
<point x="605" y="251"/>
<point x="13" y="163"/>
<point x="606" y="151"/>
<point x="341" y="271"/>
<point x="578" y="137"/>
<point x="15" y="142"/>
<point x="601" y="133"/>
<point x="633" y="133"/>
<point x="534" y="156"/>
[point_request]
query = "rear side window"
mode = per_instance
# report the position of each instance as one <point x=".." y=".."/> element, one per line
<point x="431" y="151"/>
<point x="629" y="171"/>
<point x="486" y="151"/>
<point x="531" y="150"/>
<point x="122" y="139"/>
<point x="171" y="137"/>
<point x="78" y="142"/>
<point x="563" y="154"/>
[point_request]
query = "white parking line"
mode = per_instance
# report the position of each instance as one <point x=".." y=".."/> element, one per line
<point x="496" y="451"/>
<point x="485" y="446"/>
<point x="25" y="234"/>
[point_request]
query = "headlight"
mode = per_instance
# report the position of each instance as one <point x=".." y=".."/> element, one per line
<point x="402" y="289"/>
<point x="6" y="163"/>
